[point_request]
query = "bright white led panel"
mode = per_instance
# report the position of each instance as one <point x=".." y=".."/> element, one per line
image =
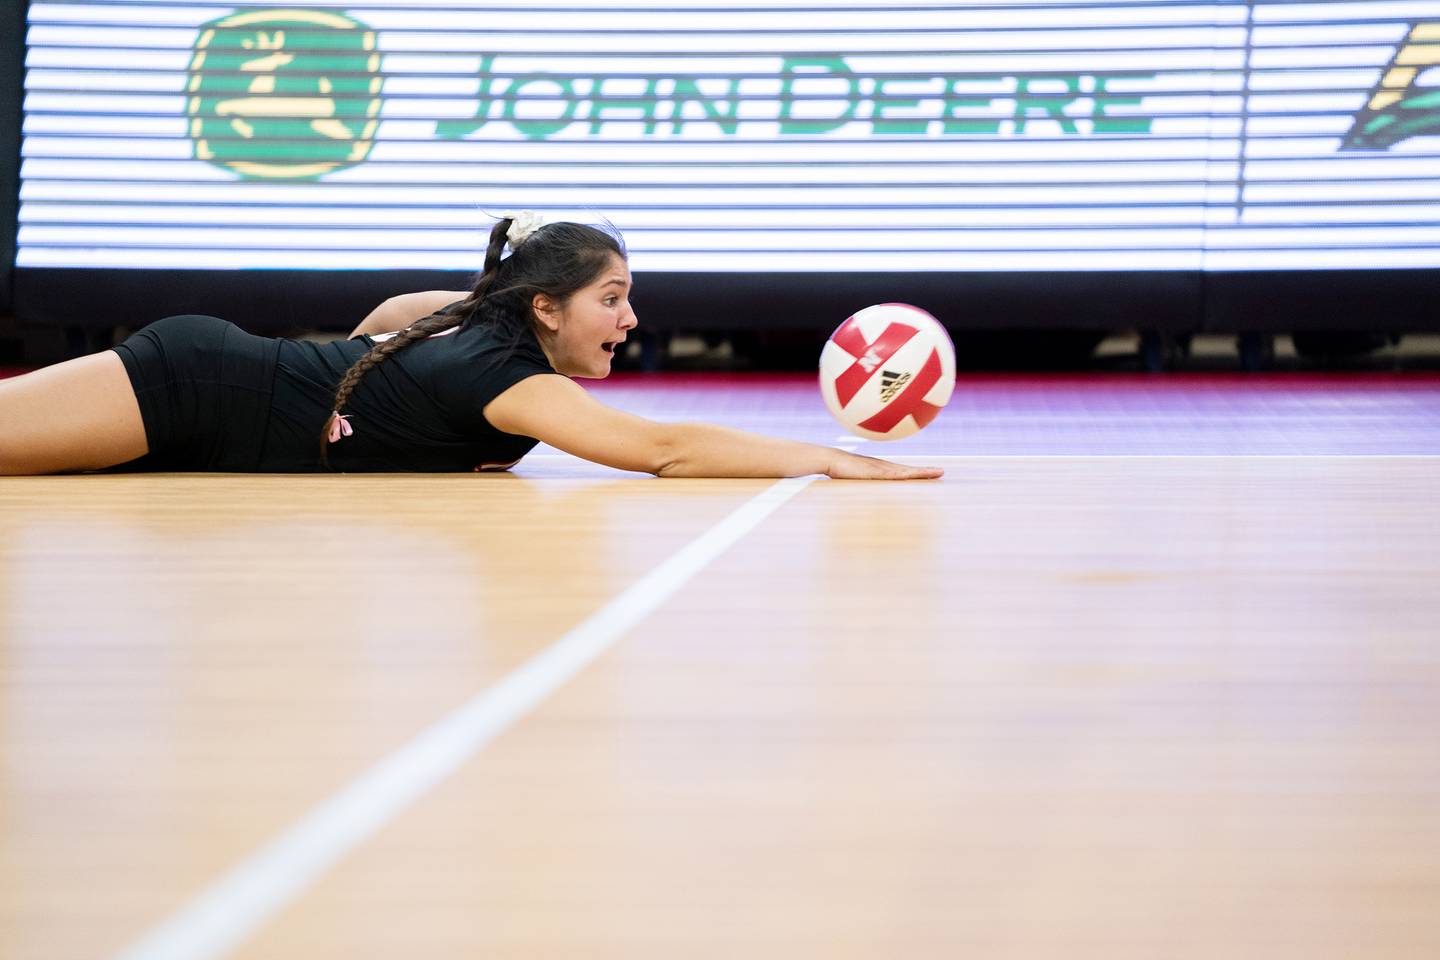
<point x="733" y="135"/>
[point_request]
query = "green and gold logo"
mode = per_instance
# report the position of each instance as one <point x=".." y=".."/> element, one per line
<point x="1399" y="108"/>
<point x="284" y="94"/>
<point x="294" y="94"/>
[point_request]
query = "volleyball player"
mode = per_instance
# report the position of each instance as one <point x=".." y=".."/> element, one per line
<point x="435" y="381"/>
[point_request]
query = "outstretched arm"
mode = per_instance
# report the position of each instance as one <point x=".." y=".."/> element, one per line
<point x="556" y="410"/>
<point x="397" y="313"/>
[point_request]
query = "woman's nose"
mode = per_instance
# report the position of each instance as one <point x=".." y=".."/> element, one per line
<point x="629" y="320"/>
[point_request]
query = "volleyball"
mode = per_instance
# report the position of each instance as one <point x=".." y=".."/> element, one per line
<point x="887" y="371"/>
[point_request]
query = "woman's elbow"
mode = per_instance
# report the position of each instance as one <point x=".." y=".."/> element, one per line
<point x="665" y="455"/>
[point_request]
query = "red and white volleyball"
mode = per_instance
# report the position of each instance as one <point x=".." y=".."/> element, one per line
<point x="887" y="371"/>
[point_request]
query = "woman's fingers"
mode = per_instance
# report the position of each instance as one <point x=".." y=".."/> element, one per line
<point x="900" y="471"/>
<point x="857" y="467"/>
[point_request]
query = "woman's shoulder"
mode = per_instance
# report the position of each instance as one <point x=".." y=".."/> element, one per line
<point x="501" y="344"/>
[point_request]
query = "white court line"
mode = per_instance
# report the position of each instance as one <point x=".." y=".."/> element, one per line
<point x="905" y="455"/>
<point x="223" y="915"/>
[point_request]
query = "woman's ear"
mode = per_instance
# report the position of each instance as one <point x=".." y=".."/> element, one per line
<point x="547" y="311"/>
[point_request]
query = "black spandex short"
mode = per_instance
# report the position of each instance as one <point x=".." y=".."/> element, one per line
<point x="204" y="390"/>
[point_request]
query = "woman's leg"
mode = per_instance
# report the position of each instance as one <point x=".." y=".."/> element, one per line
<point x="77" y="415"/>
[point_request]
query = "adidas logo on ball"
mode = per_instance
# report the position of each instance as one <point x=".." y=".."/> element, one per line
<point x="890" y="384"/>
<point x="887" y="371"/>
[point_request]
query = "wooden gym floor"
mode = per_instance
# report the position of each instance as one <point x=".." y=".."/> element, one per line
<point x="1153" y="672"/>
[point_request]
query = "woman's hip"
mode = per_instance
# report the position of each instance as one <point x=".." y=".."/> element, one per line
<point x="204" y="386"/>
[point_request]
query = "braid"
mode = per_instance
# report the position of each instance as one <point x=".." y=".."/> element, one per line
<point x="419" y="330"/>
<point x="492" y="264"/>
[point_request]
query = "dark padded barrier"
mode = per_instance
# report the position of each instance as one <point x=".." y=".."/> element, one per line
<point x="12" y="93"/>
<point x="1390" y="301"/>
<point x="268" y="302"/>
<point x="278" y="302"/>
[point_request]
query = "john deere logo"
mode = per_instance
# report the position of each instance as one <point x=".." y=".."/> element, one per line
<point x="284" y="94"/>
<point x="808" y="95"/>
<point x="1399" y="107"/>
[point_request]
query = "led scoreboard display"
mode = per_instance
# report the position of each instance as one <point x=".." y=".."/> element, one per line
<point x="736" y="136"/>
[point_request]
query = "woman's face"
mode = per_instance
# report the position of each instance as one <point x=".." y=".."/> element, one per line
<point x="580" y="338"/>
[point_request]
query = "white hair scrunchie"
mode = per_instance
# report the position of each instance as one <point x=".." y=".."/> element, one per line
<point x="525" y="223"/>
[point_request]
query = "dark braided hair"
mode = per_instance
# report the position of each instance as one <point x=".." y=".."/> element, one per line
<point x="556" y="260"/>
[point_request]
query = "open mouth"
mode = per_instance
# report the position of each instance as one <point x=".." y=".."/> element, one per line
<point x="610" y="345"/>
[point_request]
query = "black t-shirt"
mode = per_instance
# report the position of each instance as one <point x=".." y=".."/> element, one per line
<point x="421" y="409"/>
